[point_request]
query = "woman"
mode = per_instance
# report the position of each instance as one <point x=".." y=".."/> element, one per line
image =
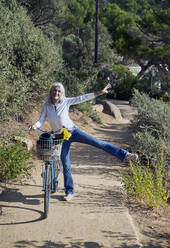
<point x="56" y="112"/>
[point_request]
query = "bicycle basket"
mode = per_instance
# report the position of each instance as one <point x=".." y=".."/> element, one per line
<point x="47" y="146"/>
<point x="44" y="146"/>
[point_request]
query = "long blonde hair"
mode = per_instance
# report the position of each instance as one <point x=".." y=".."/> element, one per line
<point x="55" y="84"/>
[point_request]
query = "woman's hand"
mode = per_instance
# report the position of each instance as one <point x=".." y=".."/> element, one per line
<point x="31" y="128"/>
<point x="104" y="91"/>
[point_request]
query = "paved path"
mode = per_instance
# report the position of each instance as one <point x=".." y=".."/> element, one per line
<point x="97" y="217"/>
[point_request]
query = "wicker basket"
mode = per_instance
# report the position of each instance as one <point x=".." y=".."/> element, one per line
<point x="47" y="146"/>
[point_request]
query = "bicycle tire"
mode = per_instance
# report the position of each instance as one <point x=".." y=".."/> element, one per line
<point x="55" y="182"/>
<point x="47" y="191"/>
<point x="56" y="176"/>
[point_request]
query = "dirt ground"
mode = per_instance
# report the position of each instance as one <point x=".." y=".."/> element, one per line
<point x="96" y="216"/>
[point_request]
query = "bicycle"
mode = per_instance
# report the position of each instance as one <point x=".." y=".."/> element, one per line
<point x="49" y="151"/>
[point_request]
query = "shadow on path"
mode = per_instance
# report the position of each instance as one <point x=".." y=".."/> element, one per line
<point x="14" y="195"/>
<point x="40" y="213"/>
<point x="79" y="244"/>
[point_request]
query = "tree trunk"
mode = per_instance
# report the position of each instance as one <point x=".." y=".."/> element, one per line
<point x="96" y="35"/>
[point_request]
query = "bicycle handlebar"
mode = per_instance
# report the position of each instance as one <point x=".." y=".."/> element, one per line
<point x="49" y="132"/>
<point x="64" y="131"/>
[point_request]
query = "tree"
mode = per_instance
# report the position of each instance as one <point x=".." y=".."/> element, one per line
<point x="48" y="15"/>
<point x="79" y="13"/>
<point x="143" y="34"/>
<point x="72" y="51"/>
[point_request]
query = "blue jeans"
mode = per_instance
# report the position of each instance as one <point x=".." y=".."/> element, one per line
<point x="81" y="137"/>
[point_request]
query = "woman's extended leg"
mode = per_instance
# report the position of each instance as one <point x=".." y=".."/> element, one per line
<point x="82" y="137"/>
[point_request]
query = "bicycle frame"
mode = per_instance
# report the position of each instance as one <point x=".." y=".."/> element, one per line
<point x="49" y="152"/>
<point x="55" y="167"/>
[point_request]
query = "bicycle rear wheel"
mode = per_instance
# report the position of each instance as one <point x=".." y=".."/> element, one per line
<point x="47" y="190"/>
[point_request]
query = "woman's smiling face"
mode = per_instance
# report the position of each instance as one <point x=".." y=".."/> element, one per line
<point x="55" y="94"/>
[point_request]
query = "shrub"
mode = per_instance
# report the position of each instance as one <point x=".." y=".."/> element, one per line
<point x="147" y="181"/>
<point x="123" y="86"/>
<point x="13" y="158"/>
<point x="147" y="145"/>
<point x="27" y="62"/>
<point x="86" y="108"/>
<point x="148" y="186"/>
<point x="72" y="51"/>
<point x="151" y="127"/>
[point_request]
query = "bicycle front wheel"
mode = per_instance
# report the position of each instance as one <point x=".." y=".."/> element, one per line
<point x="47" y="190"/>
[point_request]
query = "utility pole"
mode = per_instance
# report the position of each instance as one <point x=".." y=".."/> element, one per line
<point x="96" y="34"/>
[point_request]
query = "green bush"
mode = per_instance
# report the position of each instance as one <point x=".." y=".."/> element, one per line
<point x="123" y="86"/>
<point x="86" y="108"/>
<point x="151" y="127"/>
<point x="147" y="186"/>
<point x="147" y="145"/>
<point x="13" y="161"/>
<point x="147" y="180"/>
<point x="27" y="63"/>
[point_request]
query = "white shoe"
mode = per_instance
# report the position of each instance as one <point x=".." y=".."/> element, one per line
<point x="68" y="197"/>
<point x="131" y="157"/>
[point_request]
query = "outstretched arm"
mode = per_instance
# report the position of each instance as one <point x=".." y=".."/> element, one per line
<point x="87" y="97"/>
<point x="104" y="91"/>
